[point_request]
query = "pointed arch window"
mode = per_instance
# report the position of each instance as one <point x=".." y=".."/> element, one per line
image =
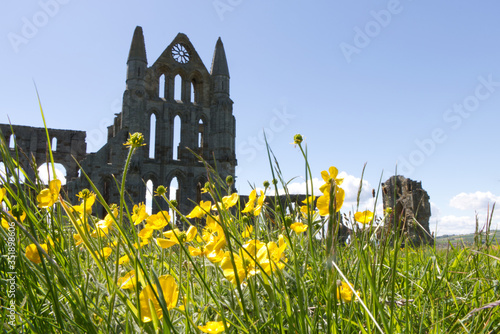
<point x="194" y="92"/>
<point x="173" y="194"/>
<point x="161" y="85"/>
<point x="12" y="141"/>
<point x="201" y="136"/>
<point x="176" y="138"/>
<point x="152" y="136"/>
<point x="53" y="144"/>
<point x="178" y="88"/>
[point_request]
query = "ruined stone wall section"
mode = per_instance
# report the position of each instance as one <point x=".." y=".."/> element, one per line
<point x="410" y="204"/>
<point x="32" y="142"/>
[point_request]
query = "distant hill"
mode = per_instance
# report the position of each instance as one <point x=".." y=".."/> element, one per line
<point x="466" y="238"/>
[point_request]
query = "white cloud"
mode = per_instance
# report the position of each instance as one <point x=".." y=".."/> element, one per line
<point x="474" y="201"/>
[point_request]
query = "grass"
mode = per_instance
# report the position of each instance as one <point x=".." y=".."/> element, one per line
<point x="250" y="273"/>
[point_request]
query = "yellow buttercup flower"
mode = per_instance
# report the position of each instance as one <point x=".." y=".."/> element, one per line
<point x="248" y="231"/>
<point x="158" y="221"/>
<point x="16" y="212"/>
<point x="344" y="292"/>
<point x="124" y="259"/>
<point x="299" y="227"/>
<point x="176" y="237"/>
<point x="105" y="252"/>
<point x="230" y="201"/>
<point x="245" y="262"/>
<point x="211" y="228"/>
<point x="49" y="196"/>
<point x="363" y="217"/>
<point x="202" y="250"/>
<point x="271" y="257"/>
<point x="145" y="233"/>
<point x="139" y="213"/>
<point x="212" y="327"/>
<point x="200" y="210"/>
<point x="331" y="175"/>
<point x="250" y="207"/>
<point x="87" y="199"/>
<point x="78" y="239"/>
<point x="3" y="191"/>
<point x="32" y="253"/>
<point x="170" y="292"/>
<point x="128" y="281"/>
<point x="323" y="202"/>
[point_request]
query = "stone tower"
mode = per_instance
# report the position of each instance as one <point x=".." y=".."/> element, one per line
<point x="177" y="104"/>
<point x="410" y="208"/>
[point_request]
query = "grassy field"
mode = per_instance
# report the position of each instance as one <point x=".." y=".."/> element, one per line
<point x="234" y="267"/>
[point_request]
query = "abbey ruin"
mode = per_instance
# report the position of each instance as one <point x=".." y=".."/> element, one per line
<point x="180" y="107"/>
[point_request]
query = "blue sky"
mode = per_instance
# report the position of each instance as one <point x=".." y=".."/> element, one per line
<point x="413" y="84"/>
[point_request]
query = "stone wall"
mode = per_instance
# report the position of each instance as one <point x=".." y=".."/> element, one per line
<point x="411" y="209"/>
<point x="70" y="147"/>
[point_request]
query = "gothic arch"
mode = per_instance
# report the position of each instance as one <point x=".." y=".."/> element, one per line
<point x="153" y="120"/>
<point x="196" y="83"/>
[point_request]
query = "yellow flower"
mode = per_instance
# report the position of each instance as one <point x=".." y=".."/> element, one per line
<point x="16" y="212"/>
<point x="87" y="200"/>
<point x="271" y="257"/>
<point x="197" y="251"/>
<point x="250" y="206"/>
<point x="214" y="248"/>
<point x="331" y="175"/>
<point x="105" y="252"/>
<point x="251" y="202"/>
<point x="212" y="327"/>
<point x="128" y="281"/>
<point x="158" y="221"/>
<point x="135" y="140"/>
<point x="78" y="239"/>
<point x="344" y="292"/>
<point x="176" y="237"/>
<point x="200" y="210"/>
<point x="146" y="232"/>
<point x="124" y="259"/>
<point x="230" y="201"/>
<point x="323" y="202"/>
<point x="170" y="293"/>
<point x="248" y="231"/>
<point x="3" y="191"/>
<point x="85" y="194"/>
<point x="211" y="228"/>
<point x="139" y="213"/>
<point x="49" y="196"/>
<point x="32" y="253"/>
<point x="299" y="227"/>
<point x="363" y="217"/>
<point x="245" y="262"/>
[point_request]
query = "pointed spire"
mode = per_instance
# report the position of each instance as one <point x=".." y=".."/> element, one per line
<point x="219" y="62"/>
<point x="138" y="48"/>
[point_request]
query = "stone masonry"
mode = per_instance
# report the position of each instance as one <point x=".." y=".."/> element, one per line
<point x="411" y="209"/>
<point x="205" y="124"/>
<point x="67" y="145"/>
